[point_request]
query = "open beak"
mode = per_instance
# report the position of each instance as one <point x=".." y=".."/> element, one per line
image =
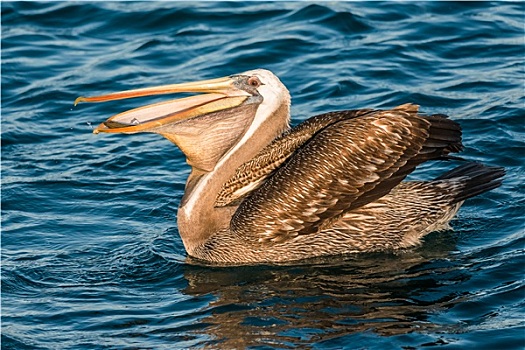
<point x="220" y="94"/>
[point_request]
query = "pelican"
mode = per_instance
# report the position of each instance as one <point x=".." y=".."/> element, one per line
<point x="262" y="192"/>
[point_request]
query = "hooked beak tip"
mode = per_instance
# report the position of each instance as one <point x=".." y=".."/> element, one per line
<point x="79" y="99"/>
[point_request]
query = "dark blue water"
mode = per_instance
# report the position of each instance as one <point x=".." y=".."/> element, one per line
<point x="91" y="257"/>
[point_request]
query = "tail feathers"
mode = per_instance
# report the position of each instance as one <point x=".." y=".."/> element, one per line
<point x="477" y="178"/>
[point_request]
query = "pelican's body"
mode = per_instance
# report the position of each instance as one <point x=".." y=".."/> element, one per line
<point x="262" y="192"/>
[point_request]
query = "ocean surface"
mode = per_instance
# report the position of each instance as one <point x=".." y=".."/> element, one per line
<point x="91" y="257"/>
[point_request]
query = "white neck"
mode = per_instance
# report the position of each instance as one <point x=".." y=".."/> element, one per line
<point x="198" y="218"/>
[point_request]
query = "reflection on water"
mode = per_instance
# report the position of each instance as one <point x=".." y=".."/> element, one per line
<point x="381" y="293"/>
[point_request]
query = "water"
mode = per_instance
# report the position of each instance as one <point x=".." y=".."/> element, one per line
<point x="91" y="257"/>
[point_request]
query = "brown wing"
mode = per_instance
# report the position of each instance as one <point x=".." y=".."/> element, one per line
<point x="344" y="166"/>
<point x="253" y="173"/>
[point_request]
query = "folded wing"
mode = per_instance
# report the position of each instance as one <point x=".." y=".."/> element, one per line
<point x="354" y="159"/>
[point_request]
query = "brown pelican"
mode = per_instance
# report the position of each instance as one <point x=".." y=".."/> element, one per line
<point x="260" y="191"/>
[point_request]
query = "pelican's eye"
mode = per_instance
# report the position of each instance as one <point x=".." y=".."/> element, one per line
<point x="254" y="81"/>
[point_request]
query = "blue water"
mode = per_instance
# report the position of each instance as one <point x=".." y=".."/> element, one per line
<point x="91" y="256"/>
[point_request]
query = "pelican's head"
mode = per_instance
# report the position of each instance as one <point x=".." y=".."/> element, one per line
<point x="249" y="88"/>
<point x="206" y="126"/>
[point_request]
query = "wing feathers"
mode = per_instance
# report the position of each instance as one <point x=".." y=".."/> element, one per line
<point x="253" y="173"/>
<point x="343" y="165"/>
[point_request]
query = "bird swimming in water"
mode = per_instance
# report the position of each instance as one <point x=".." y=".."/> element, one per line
<point x="262" y="192"/>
